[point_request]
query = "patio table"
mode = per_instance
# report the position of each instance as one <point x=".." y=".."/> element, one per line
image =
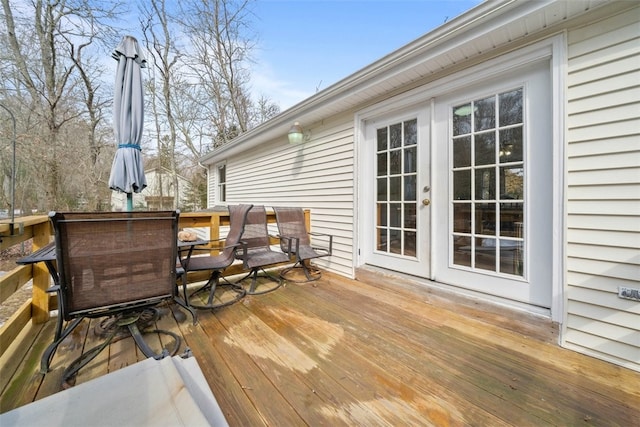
<point x="46" y="254"/>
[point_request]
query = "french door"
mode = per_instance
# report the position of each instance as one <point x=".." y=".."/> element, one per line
<point x="494" y="158"/>
<point x="395" y="221"/>
<point x="456" y="181"/>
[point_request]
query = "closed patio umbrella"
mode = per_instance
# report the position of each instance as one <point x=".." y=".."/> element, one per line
<point x="127" y="171"/>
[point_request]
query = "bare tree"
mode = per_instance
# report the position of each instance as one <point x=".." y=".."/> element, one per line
<point x="165" y="57"/>
<point x="217" y="30"/>
<point x="265" y="110"/>
<point x="96" y="102"/>
<point x="53" y="74"/>
<point x="50" y="68"/>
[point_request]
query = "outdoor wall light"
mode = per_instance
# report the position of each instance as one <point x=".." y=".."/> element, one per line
<point x="297" y="135"/>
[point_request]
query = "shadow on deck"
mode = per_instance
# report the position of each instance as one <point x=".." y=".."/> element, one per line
<point x="344" y="352"/>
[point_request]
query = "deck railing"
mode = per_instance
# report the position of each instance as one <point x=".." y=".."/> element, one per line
<point x="38" y="228"/>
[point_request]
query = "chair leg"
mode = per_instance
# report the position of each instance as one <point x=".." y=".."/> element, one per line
<point x="84" y="359"/>
<point x="59" y="323"/>
<point x="311" y="274"/>
<point x="254" y="281"/>
<point x="130" y="320"/>
<point x="212" y="285"/>
<point x="306" y="270"/>
<point x="183" y="303"/>
<point x="144" y="347"/>
<point x="45" y="361"/>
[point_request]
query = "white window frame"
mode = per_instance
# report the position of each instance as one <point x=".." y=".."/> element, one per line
<point x="218" y="199"/>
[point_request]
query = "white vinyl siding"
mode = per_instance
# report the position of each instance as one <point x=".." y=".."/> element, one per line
<point x="603" y="188"/>
<point x="316" y="175"/>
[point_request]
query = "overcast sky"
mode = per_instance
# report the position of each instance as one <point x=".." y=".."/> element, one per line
<point x="308" y="45"/>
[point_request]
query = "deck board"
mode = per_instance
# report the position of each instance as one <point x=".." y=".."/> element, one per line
<point x="359" y="360"/>
<point x="344" y="352"/>
<point x="391" y="344"/>
<point x="228" y="389"/>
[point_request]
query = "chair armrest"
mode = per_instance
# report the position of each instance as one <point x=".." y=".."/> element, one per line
<point x="288" y="240"/>
<point x="241" y="256"/>
<point x="330" y="249"/>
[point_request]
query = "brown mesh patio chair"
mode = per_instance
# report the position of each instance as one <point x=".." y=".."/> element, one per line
<point x="218" y="293"/>
<point x="258" y="254"/>
<point x="297" y="241"/>
<point x="116" y="264"/>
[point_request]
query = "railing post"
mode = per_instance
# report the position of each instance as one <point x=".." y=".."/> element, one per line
<point x="40" y="299"/>
<point x="214" y="231"/>
<point x="307" y="219"/>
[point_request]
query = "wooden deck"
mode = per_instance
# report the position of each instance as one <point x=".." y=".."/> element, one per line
<point x="368" y="353"/>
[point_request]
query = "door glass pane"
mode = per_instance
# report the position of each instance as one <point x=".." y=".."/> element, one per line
<point x="510" y="257"/>
<point x="510" y="107"/>
<point x="410" y="215"/>
<point x="409" y="243"/>
<point x="486" y="218"/>
<point x="396" y="166"/>
<point x="511" y="183"/>
<point x="485" y="148"/>
<point x="411" y="132"/>
<point x="484" y="114"/>
<point x="410" y="157"/>
<point x="485" y="184"/>
<point x="382" y="139"/>
<point x="487" y="230"/>
<point x="462" y="185"/>
<point x="395" y="188"/>
<point x="381" y="239"/>
<point x="395" y="136"/>
<point x="382" y="163"/>
<point x="395" y="162"/>
<point x="381" y="212"/>
<point x="485" y="250"/>
<point x="462" y="152"/>
<point x="461" y="119"/>
<point x="395" y="214"/>
<point x="511" y="145"/>
<point x="462" y="251"/>
<point x="511" y="217"/>
<point x="382" y="189"/>
<point x="462" y="218"/>
<point x="395" y="241"/>
<point x="410" y="187"/>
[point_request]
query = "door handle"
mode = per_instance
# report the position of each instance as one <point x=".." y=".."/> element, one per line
<point x="426" y="202"/>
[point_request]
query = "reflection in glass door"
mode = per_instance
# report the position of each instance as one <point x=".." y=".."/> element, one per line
<point x="488" y="184"/>
<point x="396" y="183"/>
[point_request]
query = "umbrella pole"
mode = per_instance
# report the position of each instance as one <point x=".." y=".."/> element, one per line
<point x="130" y="202"/>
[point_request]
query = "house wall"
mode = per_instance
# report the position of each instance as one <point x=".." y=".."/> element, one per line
<point x="316" y="175"/>
<point x="603" y="191"/>
<point x="155" y="180"/>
